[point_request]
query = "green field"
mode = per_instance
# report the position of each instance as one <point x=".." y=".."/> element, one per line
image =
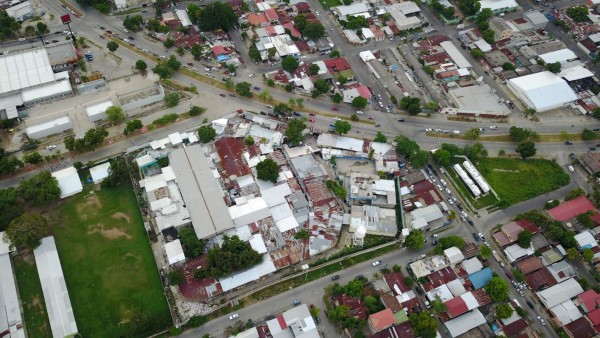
<point x="516" y="180"/>
<point x="108" y="265"/>
<point x="330" y="3"/>
<point x="30" y="291"/>
<point x="482" y="201"/>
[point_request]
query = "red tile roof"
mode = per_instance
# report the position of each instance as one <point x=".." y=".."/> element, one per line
<point x="529" y="265"/>
<point x="271" y="14"/>
<point x="456" y="307"/>
<point x="403" y="330"/>
<point x="293" y="30"/>
<point x="230" y="151"/>
<point x="302" y="7"/>
<point x="218" y="50"/>
<point x="514" y="328"/>
<point x="396" y="278"/>
<point x="594" y="317"/>
<point x="358" y="309"/>
<point x="336" y="65"/>
<point x="528" y="225"/>
<point x="302" y="45"/>
<point x="571" y="209"/>
<point x="501" y="238"/>
<point x="541" y="278"/>
<point x="589" y="300"/>
<point x="382" y="320"/>
<point x="257" y="19"/>
<point x="581" y="328"/>
<point x="437" y="39"/>
<point x="436" y="58"/>
<point x="364" y="92"/>
<point x="391" y="302"/>
<point x="439" y="278"/>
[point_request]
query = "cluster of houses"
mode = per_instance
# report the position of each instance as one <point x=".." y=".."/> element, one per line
<point x="549" y="276"/>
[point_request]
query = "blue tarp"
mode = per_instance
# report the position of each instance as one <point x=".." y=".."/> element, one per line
<point x="480" y="278"/>
<point x="222" y="57"/>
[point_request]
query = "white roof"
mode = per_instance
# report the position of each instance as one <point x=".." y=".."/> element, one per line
<point x="585" y="239"/>
<point x="253" y="210"/>
<point x="465" y="323"/>
<point x="144" y="160"/>
<point x="366" y="55"/>
<point x="441" y="291"/>
<point x="498" y="5"/>
<point x="61" y="121"/>
<point x="10" y="313"/>
<point x="472" y="265"/>
<point x="19" y="9"/>
<point x="99" y="172"/>
<point x="250" y="333"/>
<point x="456" y="287"/>
<point x="174" y="252"/>
<point x="56" y="295"/>
<point x="68" y="181"/>
<point x="566" y="312"/>
<point x="430" y="213"/>
<point x="276" y="195"/>
<point x="454" y="255"/>
<point x="258" y="243"/>
<point x="483" y="45"/>
<point x="560" y="55"/>
<point x="340" y="142"/>
<point x="470" y="300"/>
<point x="286" y="224"/>
<point x="168" y="173"/>
<point x="560" y="293"/>
<point x="367" y="33"/>
<point x="99" y="108"/>
<point x="455" y="54"/>
<point x="355" y="8"/>
<point x="60" y="85"/>
<point x="575" y="73"/>
<point x="24" y="69"/>
<point x="175" y="139"/>
<point x="542" y="91"/>
<point x="183" y="17"/>
<point x="252" y="274"/>
<point x="515" y="252"/>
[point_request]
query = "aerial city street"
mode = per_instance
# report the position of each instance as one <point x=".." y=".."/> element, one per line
<point x="300" y="168"/>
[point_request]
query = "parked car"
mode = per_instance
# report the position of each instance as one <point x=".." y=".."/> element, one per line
<point x="571" y="169"/>
<point x="475" y="236"/>
<point x="400" y="120"/>
<point x="541" y="320"/>
<point x="530" y="304"/>
<point x="568" y="143"/>
<point x="376" y="263"/>
<point x="572" y="156"/>
<point x="222" y="95"/>
<point x="297" y="302"/>
<point x="233" y="316"/>
<point x="336" y="277"/>
<point x="493" y="128"/>
<point x="334" y="108"/>
<point x="481" y="236"/>
<point x="311" y="120"/>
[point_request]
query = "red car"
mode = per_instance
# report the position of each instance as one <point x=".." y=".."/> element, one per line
<point x="334" y="108"/>
<point x="222" y="95"/>
<point x="311" y="114"/>
<point x="311" y="120"/>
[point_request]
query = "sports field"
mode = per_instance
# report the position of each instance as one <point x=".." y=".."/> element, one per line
<point x="108" y="265"/>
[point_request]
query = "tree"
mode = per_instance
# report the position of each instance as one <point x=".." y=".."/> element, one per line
<point x="553" y="67"/>
<point x="132" y="126"/>
<point x="216" y="15"/>
<point x="27" y="231"/>
<point x="267" y="170"/>
<point x="315" y="311"/>
<point x="192" y="246"/>
<point x="300" y="21"/>
<point x="338" y="190"/>
<point x="115" y="115"/>
<point x="173" y="63"/>
<point x="232" y="255"/>
<point x="342" y="127"/>
<point x="529" y="111"/>
<point x="266" y="96"/>
<point x="524" y="239"/>
<point x="302" y="234"/>
<point x="313" y="30"/>
<point x="411" y="104"/>
<point x="322" y="86"/>
<point x="206" y="134"/>
<point x="243" y="89"/>
<point x="373" y="304"/>
<point x="472" y="134"/>
<point x="488" y="36"/>
<point x="359" y="102"/>
<point x="587" y="254"/>
<point x="424" y="325"/>
<point x="300" y="102"/>
<point x="33" y="158"/>
<point x="314" y="69"/>
<point x="596" y="112"/>
<point x="282" y="109"/>
<point x="504" y="310"/>
<point x="573" y="254"/>
<point x="442" y="157"/>
<point x="195" y="110"/>
<point x="112" y="46"/>
<point x="289" y="63"/>
<point x="526" y="149"/>
<point x="337" y="98"/>
<point x="415" y="240"/>
<point x="588" y="134"/>
<point x="334" y="54"/>
<point x="477" y="53"/>
<point x="40" y="189"/>
<point x="117" y="173"/>
<point x="172" y="99"/>
<point x="271" y="52"/>
<point x="578" y="13"/>
<point x="452" y="241"/>
<point x="163" y="70"/>
<point x="293" y="133"/>
<point x="175" y="277"/>
<point x="354" y="118"/>
<point x="508" y="66"/>
<point x="497" y="288"/>
<point x="9" y="209"/>
<point x="41" y="28"/>
<point x="518" y="134"/>
<point x="485" y="251"/>
<point x="133" y="23"/>
<point x="141" y="65"/>
<point x="406" y="146"/>
<point x="380" y="137"/>
<point x="29" y="30"/>
<point x="419" y="159"/>
<point x="438" y="306"/>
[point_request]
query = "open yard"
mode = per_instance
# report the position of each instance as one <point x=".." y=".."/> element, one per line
<point x="30" y="291"/>
<point x="108" y="265"/>
<point x="516" y="180"/>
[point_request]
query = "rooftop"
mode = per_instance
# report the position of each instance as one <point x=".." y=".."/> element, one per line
<point x="571" y="209"/>
<point x="24" y="69"/>
<point x="465" y="323"/>
<point x="540" y="279"/>
<point x="529" y="265"/>
<point x="560" y="293"/>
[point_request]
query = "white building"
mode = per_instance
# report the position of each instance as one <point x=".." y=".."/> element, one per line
<point x="99" y="172"/>
<point x="21" y="11"/>
<point x="10" y="312"/>
<point x="465" y="323"/>
<point x="68" y="181"/>
<point x="97" y="112"/>
<point x="455" y="54"/>
<point x="53" y="127"/>
<point x="560" y="293"/>
<point x="405" y="14"/>
<point x="499" y="6"/>
<point x="561" y="55"/>
<point x="56" y="295"/>
<point x="542" y="91"/>
<point x="174" y="252"/>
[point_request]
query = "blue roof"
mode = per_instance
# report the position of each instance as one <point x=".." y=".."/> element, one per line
<point x="480" y="278"/>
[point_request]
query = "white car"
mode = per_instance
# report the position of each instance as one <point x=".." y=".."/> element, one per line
<point x="541" y="320"/>
<point x="251" y="75"/>
<point x="450" y="201"/>
<point x="359" y="112"/>
<point x="448" y="191"/>
<point x="52" y="147"/>
<point x="443" y="182"/>
<point x="428" y="129"/>
<point x="376" y="263"/>
<point x="571" y="169"/>
<point x="337" y="118"/>
<point x="233" y="316"/>
<point x="493" y="128"/>
<point x="440" y="187"/>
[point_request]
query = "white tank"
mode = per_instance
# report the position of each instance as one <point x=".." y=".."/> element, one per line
<point x="360" y="232"/>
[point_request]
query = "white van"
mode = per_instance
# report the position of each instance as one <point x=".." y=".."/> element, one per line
<point x="571" y="169"/>
<point x="456" y="132"/>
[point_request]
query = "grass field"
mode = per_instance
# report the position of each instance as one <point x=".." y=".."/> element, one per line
<point x="108" y="265"/>
<point x="516" y="180"/>
<point x="481" y="202"/>
<point x="30" y="291"/>
<point x="330" y="3"/>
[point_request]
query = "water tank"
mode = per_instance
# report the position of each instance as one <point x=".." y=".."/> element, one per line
<point x="360" y="232"/>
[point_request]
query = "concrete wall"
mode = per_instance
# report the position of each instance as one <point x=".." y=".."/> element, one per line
<point x="143" y="100"/>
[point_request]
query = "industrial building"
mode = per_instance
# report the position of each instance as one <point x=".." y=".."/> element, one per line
<point x="26" y="79"/>
<point x="53" y="127"/>
<point x="21" y="11"/>
<point x="97" y="112"/>
<point x="11" y="321"/>
<point x="56" y="295"/>
<point x="68" y="181"/>
<point x="542" y="91"/>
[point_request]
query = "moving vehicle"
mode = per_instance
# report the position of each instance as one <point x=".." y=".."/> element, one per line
<point x="568" y="143"/>
<point x="493" y="128"/>
<point x="571" y="169"/>
<point x="233" y="316"/>
<point x="530" y="304"/>
<point x="359" y="112"/>
<point x="541" y="320"/>
<point x="376" y="263"/>
<point x="222" y="95"/>
<point x="334" y="108"/>
<point x="336" y="277"/>
<point x="297" y="302"/>
<point x="400" y="120"/>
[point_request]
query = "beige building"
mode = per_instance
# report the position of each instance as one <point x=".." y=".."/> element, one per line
<point x="501" y="29"/>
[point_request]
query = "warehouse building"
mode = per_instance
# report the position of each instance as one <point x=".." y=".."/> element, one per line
<point x="542" y="91"/>
<point x="21" y="11"/>
<point x="53" y="127"/>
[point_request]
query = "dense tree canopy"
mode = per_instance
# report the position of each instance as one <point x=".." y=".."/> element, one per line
<point x="132" y="126"/>
<point x="40" y="189"/>
<point x="293" y="133"/>
<point x="267" y="170"/>
<point x="192" y="246"/>
<point x="524" y="239"/>
<point x="206" y="134"/>
<point x="411" y="104"/>
<point x="141" y="65"/>
<point x="442" y="157"/>
<point x="215" y="15"/>
<point x="497" y="288"/>
<point x="359" y="102"/>
<point x="133" y="23"/>
<point x="7" y="26"/>
<point x="313" y="30"/>
<point x="112" y="46"/>
<point x="243" y="89"/>
<point x="90" y="141"/>
<point x="578" y="13"/>
<point x="469" y="7"/>
<point x="380" y="137"/>
<point x="118" y="173"/>
<point x="526" y="149"/>
<point x="504" y="311"/>
<point x="289" y="63"/>
<point x="415" y="240"/>
<point x="233" y="255"/>
<point x="9" y="209"/>
<point x="27" y="231"/>
<point x="115" y="115"/>
<point x="342" y="127"/>
<point x="424" y="325"/>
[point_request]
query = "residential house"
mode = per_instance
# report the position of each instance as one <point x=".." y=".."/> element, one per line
<point x="381" y="320"/>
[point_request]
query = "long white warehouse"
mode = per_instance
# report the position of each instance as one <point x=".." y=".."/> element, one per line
<point x="485" y="187"/>
<point x="463" y="175"/>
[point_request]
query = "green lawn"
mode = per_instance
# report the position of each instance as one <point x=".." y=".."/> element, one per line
<point x="108" y="265"/>
<point x="516" y="180"/>
<point x="30" y="291"/>
<point x="330" y="3"/>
